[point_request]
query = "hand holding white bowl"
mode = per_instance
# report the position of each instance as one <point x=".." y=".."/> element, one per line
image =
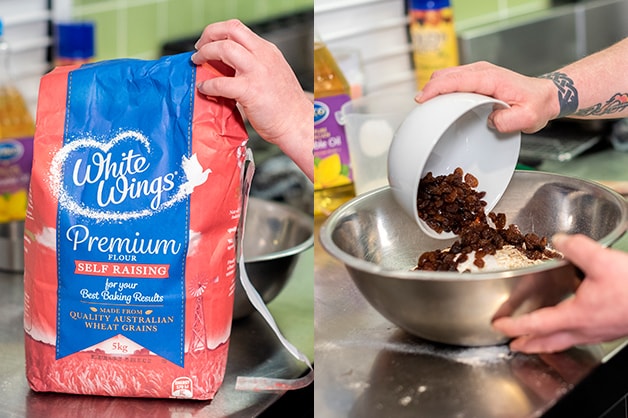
<point x="444" y="133"/>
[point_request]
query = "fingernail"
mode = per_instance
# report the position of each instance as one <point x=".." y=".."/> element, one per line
<point x="490" y="123"/>
<point x="497" y="324"/>
<point x="418" y="96"/>
<point x="559" y="238"/>
<point x="515" y="346"/>
<point x="196" y="44"/>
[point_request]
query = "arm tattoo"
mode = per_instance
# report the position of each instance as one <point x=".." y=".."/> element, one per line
<point x="617" y="103"/>
<point x="567" y="92"/>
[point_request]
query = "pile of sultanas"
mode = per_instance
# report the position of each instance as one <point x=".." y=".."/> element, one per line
<point x="449" y="203"/>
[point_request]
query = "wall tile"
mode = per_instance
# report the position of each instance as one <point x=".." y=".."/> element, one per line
<point x="106" y="30"/>
<point x="84" y="2"/>
<point x="528" y="4"/>
<point x="217" y="11"/>
<point x="465" y="10"/>
<point x="477" y="13"/>
<point x="174" y="19"/>
<point x="141" y="31"/>
<point x="249" y="10"/>
<point x="138" y="28"/>
<point x="178" y="20"/>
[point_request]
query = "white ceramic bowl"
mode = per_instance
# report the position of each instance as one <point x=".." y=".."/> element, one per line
<point x="446" y="132"/>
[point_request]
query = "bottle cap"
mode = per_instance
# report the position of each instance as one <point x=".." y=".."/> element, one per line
<point x="75" y="40"/>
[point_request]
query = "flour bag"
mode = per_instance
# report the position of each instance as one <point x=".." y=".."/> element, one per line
<point x="130" y="241"/>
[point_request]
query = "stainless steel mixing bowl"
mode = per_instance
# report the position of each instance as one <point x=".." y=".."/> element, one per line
<point x="275" y="235"/>
<point x="379" y="245"/>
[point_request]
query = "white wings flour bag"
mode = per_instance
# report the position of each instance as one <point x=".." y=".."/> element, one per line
<point x="130" y="252"/>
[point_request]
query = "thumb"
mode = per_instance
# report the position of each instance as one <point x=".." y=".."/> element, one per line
<point x="504" y="120"/>
<point x="582" y="251"/>
<point x="515" y="118"/>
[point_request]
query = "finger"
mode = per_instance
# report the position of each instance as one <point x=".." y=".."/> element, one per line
<point x="584" y="252"/>
<point x="547" y="320"/>
<point x="458" y="82"/>
<point x="229" y="87"/>
<point x="229" y="52"/>
<point x="230" y="29"/>
<point x="465" y="68"/>
<point x="472" y="78"/>
<point x="545" y="343"/>
<point x="505" y="120"/>
<point x="512" y="119"/>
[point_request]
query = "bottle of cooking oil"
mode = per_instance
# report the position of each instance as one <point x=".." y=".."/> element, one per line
<point x="333" y="184"/>
<point x="433" y="35"/>
<point x="16" y="142"/>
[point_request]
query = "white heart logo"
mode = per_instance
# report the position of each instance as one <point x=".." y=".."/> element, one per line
<point x="195" y="174"/>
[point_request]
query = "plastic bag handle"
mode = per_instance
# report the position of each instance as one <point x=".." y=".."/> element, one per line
<point x="264" y="383"/>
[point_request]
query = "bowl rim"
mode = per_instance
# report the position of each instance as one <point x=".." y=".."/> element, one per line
<point x="302" y="218"/>
<point x="356" y="263"/>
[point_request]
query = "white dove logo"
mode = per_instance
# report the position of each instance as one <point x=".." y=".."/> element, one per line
<point x="194" y="173"/>
<point x="118" y="171"/>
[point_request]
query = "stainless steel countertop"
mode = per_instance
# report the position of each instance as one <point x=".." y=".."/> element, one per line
<point x="367" y="367"/>
<point x="253" y="351"/>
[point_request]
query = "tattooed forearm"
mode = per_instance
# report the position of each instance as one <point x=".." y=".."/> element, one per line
<point x="616" y="104"/>
<point x="567" y="93"/>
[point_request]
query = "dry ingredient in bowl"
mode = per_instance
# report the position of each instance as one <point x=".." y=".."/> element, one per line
<point x="450" y="203"/>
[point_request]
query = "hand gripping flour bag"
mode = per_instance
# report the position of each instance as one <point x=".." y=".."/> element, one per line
<point x="130" y="242"/>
